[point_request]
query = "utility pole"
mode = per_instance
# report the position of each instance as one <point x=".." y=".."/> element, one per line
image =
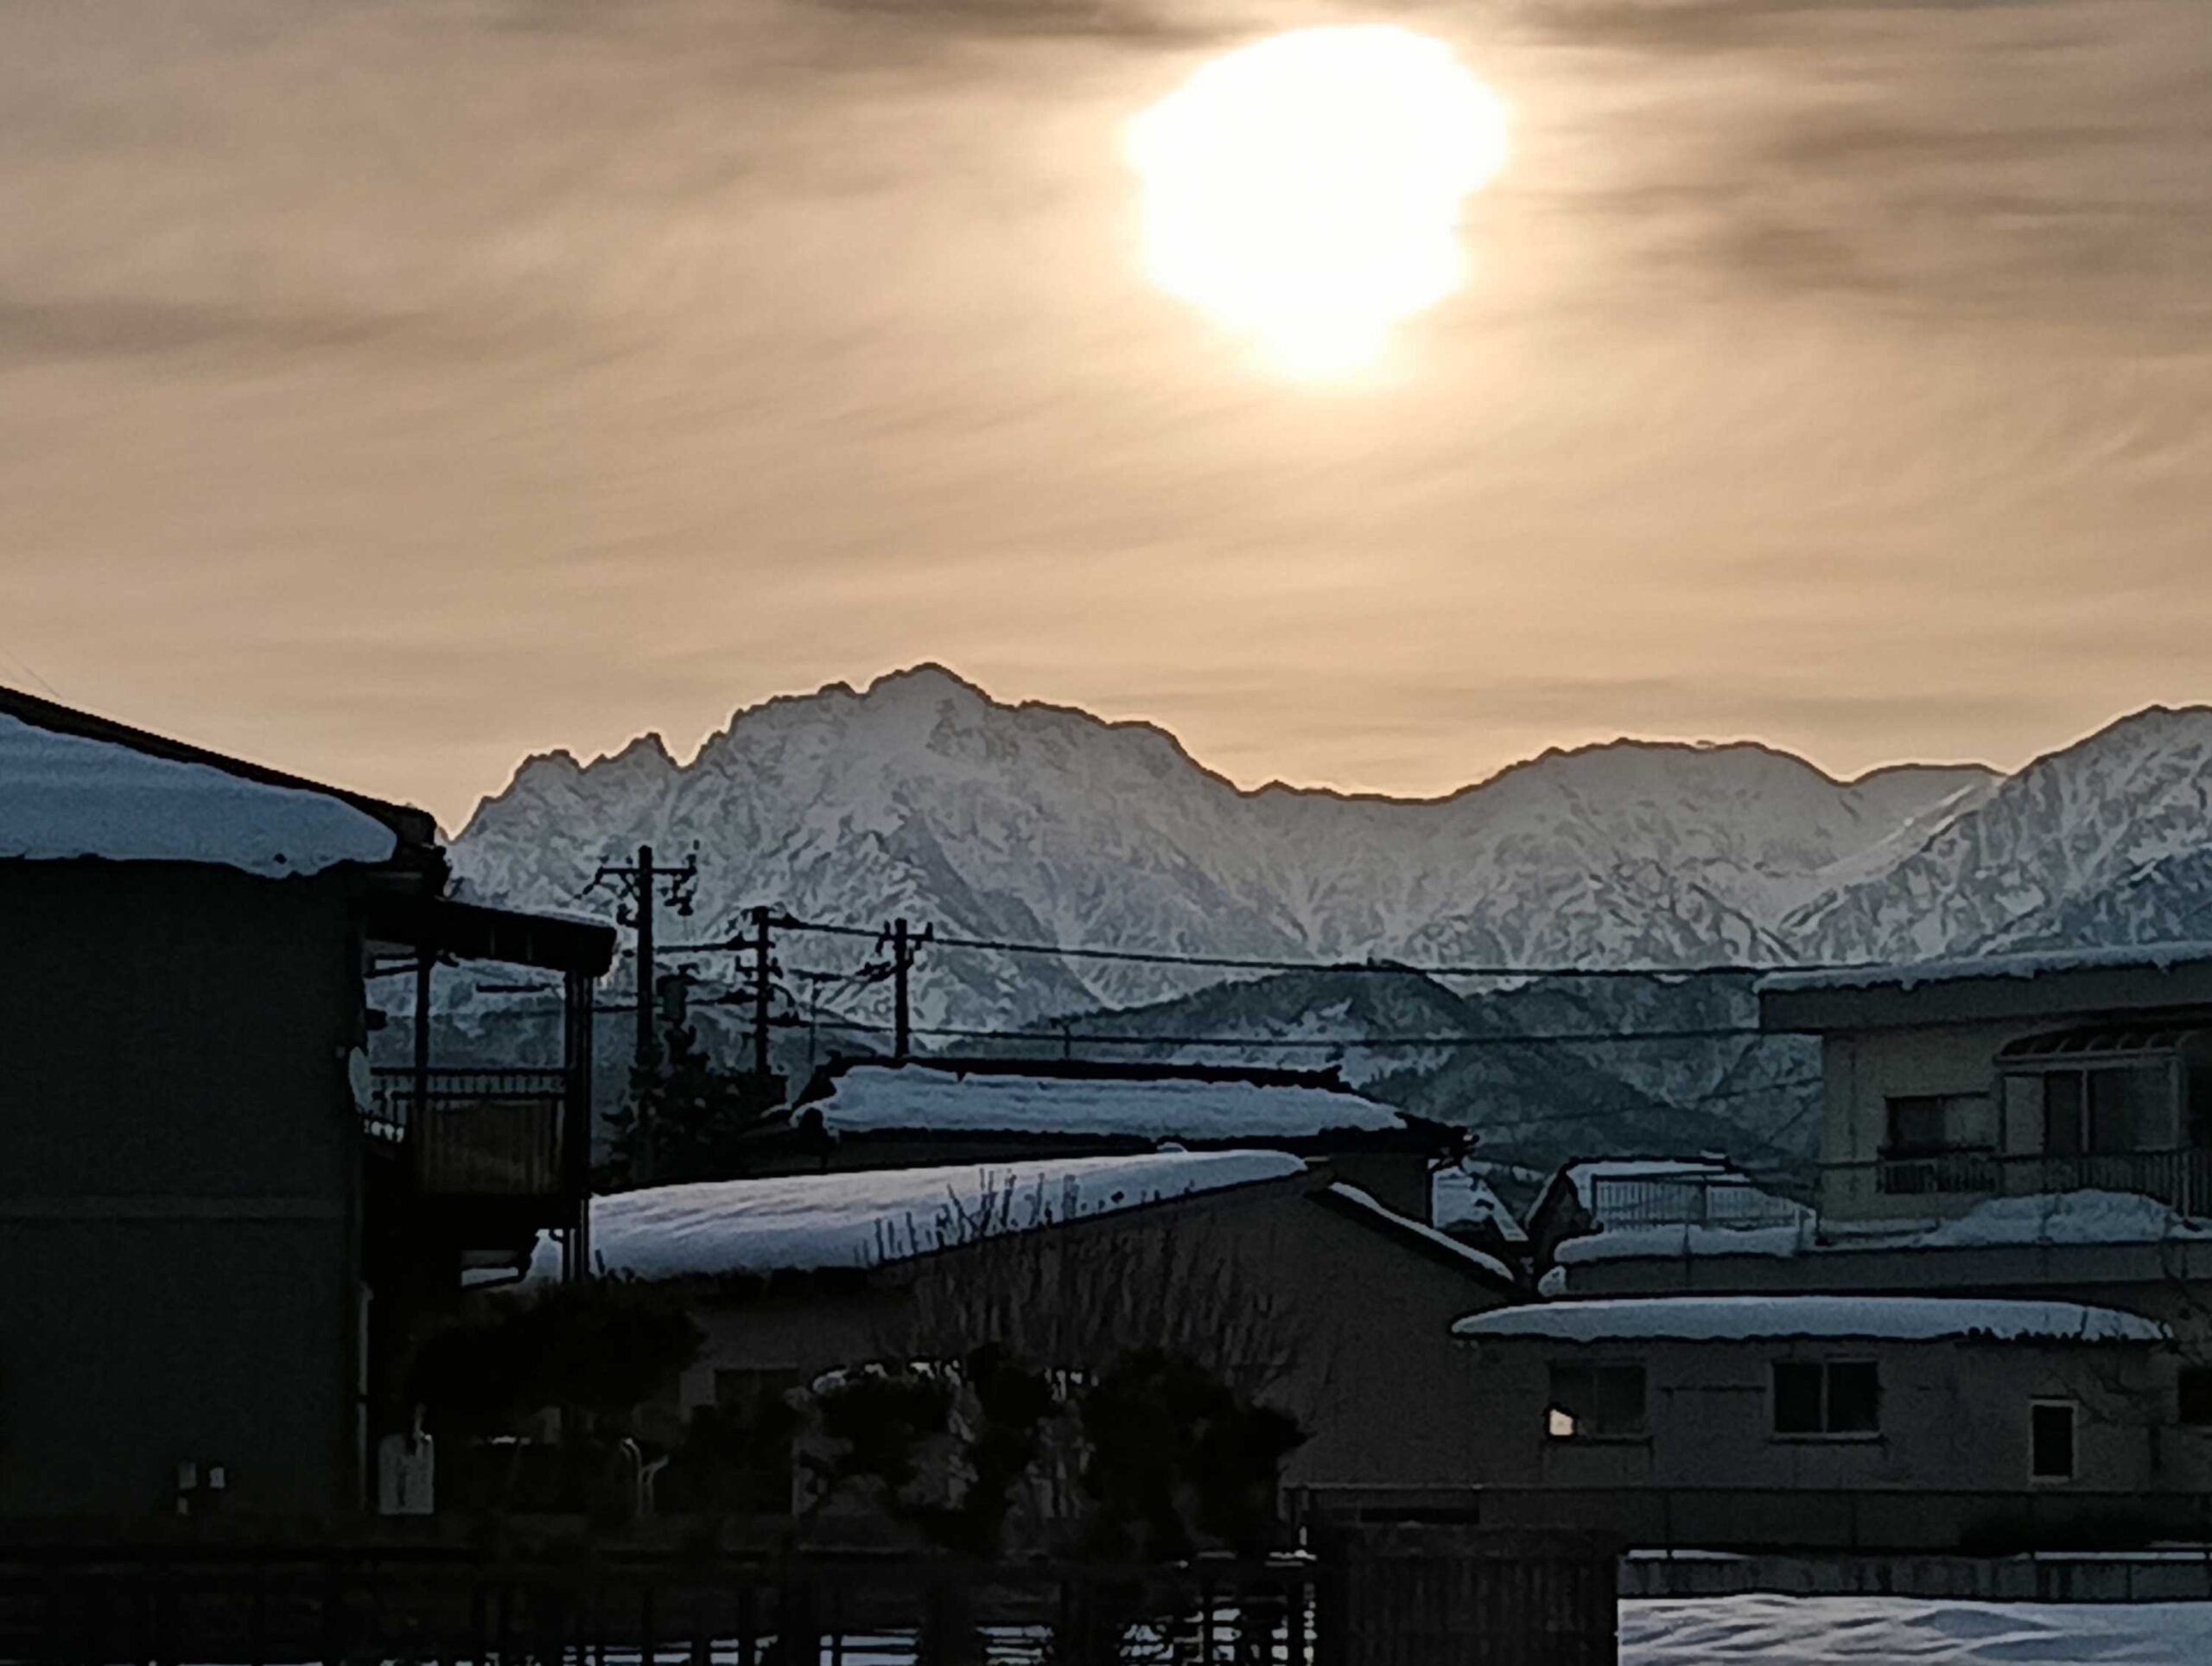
<point x="648" y="1052"/>
<point x="762" y="984"/>
<point x="904" y="947"/>
<point x="633" y="884"/>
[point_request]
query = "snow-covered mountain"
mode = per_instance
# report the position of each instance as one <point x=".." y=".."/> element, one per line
<point x="2106" y="842"/>
<point x="921" y="796"/>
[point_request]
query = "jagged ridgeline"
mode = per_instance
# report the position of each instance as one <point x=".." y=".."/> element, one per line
<point x="922" y="796"/>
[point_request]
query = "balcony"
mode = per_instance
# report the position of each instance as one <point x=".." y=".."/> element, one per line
<point x="2181" y="1179"/>
<point x="476" y="1133"/>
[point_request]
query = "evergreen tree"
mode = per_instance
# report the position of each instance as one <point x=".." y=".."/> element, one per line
<point x="689" y="1119"/>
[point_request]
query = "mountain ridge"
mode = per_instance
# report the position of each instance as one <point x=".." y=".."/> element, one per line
<point x="923" y="795"/>
<point x="928" y="669"/>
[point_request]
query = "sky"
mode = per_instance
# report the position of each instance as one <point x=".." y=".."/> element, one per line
<point x="390" y="388"/>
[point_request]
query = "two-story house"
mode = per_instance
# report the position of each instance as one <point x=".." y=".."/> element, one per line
<point x="215" y="1221"/>
<point x="2019" y="1125"/>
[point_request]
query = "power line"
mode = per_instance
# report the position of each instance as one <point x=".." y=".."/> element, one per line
<point x="28" y="669"/>
<point x="1595" y="1113"/>
<point x="1254" y="963"/>
<point x="1534" y="1038"/>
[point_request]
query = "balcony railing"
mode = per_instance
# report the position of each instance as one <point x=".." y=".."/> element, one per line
<point x="476" y="1133"/>
<point x="2181" y="1180"/>
<point x="1689" y="1200"/>
<point x="1925" y="1174"/>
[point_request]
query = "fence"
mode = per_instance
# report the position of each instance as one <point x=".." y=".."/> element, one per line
<point x="1405" y="1599"/>
<point x="1690" y="1200"/>
<point x="477" y="1133"/>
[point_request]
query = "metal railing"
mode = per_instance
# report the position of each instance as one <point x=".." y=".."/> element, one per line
<point x="476" y="1133"/>
<point x="1924" y="1174"/>
<point x="2181" y="1180"/>
<point x="1690" y="1200"/>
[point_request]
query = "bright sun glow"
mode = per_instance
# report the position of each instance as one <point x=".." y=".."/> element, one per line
<point x="1306" y="191"/>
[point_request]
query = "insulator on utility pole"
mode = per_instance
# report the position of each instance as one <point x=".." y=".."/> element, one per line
<point x="904" y="947"/>
<point x="763" y="981"/>
<point x="636" y="895"/>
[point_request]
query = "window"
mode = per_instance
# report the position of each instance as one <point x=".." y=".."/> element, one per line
<point x="2194" y="1395"/>
<point x="1819" y="1397"/>
<point x="1919" y="1123"/>
<point x="2103" y="1112"/>
<point x="2199" y="1125"/>
<point x="1936" y="1143"/>
<point x="2050" y="1441"/>
<point x="1595" y="1402"/>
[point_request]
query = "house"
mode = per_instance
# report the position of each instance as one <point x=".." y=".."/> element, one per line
<point x="1803" y="1421"/>
<point x="881" y="1114"/>
<point x="1315" y="1295"/>
<point x="215" y="1219"/>
<point x="1949" y="1082"/>
<point x="2028" y="1126"/>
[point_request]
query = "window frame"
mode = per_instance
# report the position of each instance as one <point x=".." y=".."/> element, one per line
<point x="2090" y="1120"/>
<point x="1825" y="1434"/>
<point x="2036" y="1407"/>
<point x="1592" y="1370"/>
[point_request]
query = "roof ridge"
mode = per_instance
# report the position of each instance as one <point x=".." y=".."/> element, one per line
<point x="413" y="827"/>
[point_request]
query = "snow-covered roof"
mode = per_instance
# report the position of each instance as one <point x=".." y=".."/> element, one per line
<point x="810" y="1222"/>
<point x="1762" y="1318"/>
<point x="1911" y="974"/>
<point x="1490" y="1266"/>
<point x="1457" y="1198"/>
<point x="2064" y="1217"/>
<point x="1634" y="1242"/>
<point x="870" y="1099"/>
<point x="65" y="796"/>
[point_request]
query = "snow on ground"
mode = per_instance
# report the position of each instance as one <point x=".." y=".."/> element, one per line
<point x="801" y="1222"/>
<point x="1743" y="1318"/>
<point x="62" y="796"/>
<point x="1774" y="1630"/>
<point x="873" y="1097"/>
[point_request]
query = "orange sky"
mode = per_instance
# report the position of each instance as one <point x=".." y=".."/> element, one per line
<point x="388" y="390"/>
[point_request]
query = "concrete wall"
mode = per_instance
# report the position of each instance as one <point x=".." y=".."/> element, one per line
<point x="178" y="1188"/>
<point x="1952" y="1450"/>
<point x="1374" y="1376"/>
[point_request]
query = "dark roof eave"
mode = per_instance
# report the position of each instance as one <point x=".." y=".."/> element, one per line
<point x="469" y="930"/>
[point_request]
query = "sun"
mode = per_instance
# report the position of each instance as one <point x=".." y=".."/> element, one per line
<point x="1306" y="191"/>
